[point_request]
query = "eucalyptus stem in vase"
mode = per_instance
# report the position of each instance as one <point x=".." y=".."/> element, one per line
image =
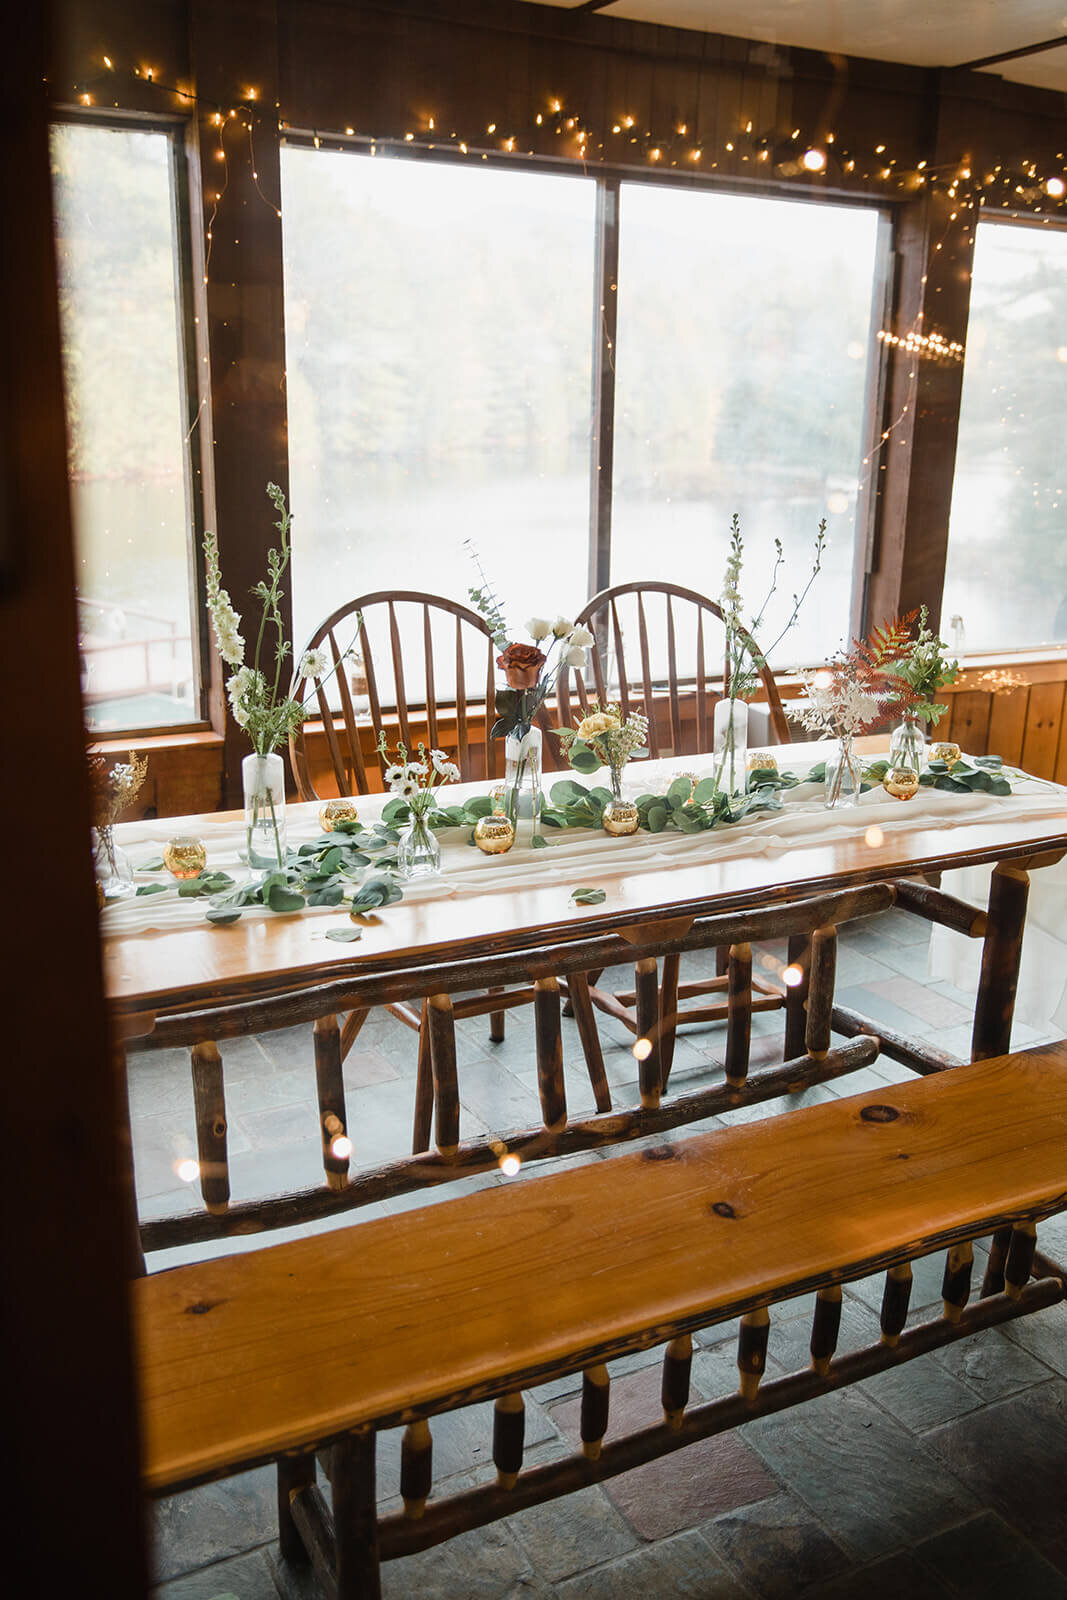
<point x="254" y="689"/>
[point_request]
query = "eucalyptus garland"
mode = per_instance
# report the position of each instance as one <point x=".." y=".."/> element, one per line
<point x="332" y="870"/>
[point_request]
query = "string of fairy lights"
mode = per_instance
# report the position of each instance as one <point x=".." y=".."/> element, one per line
<point x="818" y="159"/>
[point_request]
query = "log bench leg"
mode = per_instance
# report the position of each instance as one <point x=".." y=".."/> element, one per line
<point x="1001" y="950"/>
<point x="294" y="1473"/>
<point x="355" y="1518"/>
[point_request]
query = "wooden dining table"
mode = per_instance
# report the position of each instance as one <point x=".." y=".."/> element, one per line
<point x="173" y="978"/>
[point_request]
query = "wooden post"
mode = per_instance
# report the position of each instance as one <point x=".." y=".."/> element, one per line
<point x="416" y="1467"/>
<point x="496" y="1019"/>
<point x="596" y="1401"/>
<point x="796" y="996"/>
<point x="209" y="1099"/>
<point x="956" y="1283"/>
<point x="509" y="1434"/>
<point x="355" y="1518"/>
<point x="825" y="1327"/>
<point x="668" y="1014"/>
<point x="646" y="993"/>
<point x="752" y="1350"/>
<point x="582" y="1008"/>
<point x="674" y="1390"/>
<point x="420" y="1135"/>
<point x="895" y="1299"/>
<point x="738" y="1014"/>
<point x="549" y="1040"/>
<point x="295" y="1472"/>
<point x="1001" y="950"/>
<point x="329" y="1081"/>
<point x="443" y="1060"/>
<point x="820" y="1002"/>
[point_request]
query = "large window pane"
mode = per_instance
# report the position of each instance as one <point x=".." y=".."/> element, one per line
<point x="438" y="324"/>
<point x="743" y="345"/>
<point x="1006" y="578"/>
<point x="118" y="275"/>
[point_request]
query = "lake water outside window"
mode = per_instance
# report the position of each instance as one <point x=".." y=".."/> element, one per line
<point x="119" y="305"/>
<point x="438" y="324"/>
<point x="744" y="340"/>
<point x="1006" y="576"/>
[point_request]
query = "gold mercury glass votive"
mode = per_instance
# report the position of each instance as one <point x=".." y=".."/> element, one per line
<point x="760" y="761"/>
<point x="620" y="817"/>
<point x="331" y="812"/>
<point x="494" y="835"/>
<point x="901" y="782"/>
<point x="947" y="752"/>
<point x="185" y="857"/>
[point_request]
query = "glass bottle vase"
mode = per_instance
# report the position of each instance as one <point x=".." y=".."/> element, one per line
<point x="731" y="745"/>
<point x="843" y="776"/>
<point x="907" y="746"/>
<point x="418" y="854"/>
<point x="522" y="777"/>
<point x="263" y="778"/>
<point x="112" y="866"/>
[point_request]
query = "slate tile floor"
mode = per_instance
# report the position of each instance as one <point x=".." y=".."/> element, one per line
<point x="944" y="1478"/>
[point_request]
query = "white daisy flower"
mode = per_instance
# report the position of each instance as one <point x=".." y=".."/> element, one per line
<point x="313" y="663"/>
<point x="394" y="774"/>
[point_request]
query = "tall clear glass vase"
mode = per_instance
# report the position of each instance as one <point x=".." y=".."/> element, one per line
<point x="522" y="777"/>
<point x="263" y="778"/>
<point x="731" y="745"/>
<point x="843" y="776"/>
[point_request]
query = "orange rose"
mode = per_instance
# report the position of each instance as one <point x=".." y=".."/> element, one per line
<point x="521" y="664"/>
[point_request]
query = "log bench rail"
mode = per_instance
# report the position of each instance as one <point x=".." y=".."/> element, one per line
<point x="318" y="1343"/>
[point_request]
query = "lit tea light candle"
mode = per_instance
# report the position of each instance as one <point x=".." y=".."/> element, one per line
<point x="331" y="812"/>
<point x="185" y="857"/>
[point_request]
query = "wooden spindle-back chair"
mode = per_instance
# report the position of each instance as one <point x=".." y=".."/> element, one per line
<point x="661" y="649"/>
<point x="396" y="642"/>
<point x="405" y="645"/>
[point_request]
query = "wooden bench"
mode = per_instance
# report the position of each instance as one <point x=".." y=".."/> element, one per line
<point x="300" y="1347"/>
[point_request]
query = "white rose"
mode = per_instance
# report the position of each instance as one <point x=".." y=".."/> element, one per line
<point x="538" y="628"/>
<point x="562" y="628"/>
<point x="580" y="636"/>
<point x="575" y="656"/>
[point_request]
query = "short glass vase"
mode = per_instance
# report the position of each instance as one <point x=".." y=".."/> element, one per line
<point x="263" y="778"/>
<point x="843" y="776"/>
<point x="907" y="746"/>
<point x="112" y="866"/>
<point x="418" y="854"/>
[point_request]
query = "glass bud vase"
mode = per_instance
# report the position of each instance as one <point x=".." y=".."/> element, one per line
<point x="418" y="854"/>
<point x="843" y="776"/>
<point x="264" y="786"/>
<point x="731" y="745"/>
<point x="522" y="777"/>
<point x="907" y="747"/>
<point x="112" y="866"/>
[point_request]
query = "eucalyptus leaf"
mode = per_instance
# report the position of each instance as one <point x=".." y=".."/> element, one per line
<point x="332" y="860"/>
<point x="157" y="864"/>
<point x="657" y="817"/>
<point x="539" y="842"/>
<point x="152" y="888"/>
<point x="331" y="894"/>
<point x="583" y="759"/>
<point x="704" y="791"/>
<point x="344" y="935"/>
<point x="281" y="898"/>
<point x="588" y="897"/>
<point x="679" y="791"/>
<point x="221" y="918"/>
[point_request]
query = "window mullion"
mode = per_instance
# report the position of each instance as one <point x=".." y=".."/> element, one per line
<point x="605" y="322"/>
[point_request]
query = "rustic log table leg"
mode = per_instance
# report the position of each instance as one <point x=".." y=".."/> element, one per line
<point x="442" y="1028"/>
<point x="1001" y="950"/>
<point x="294" y="1473"/>
<point x="551" y="1086"/>
<point x="646" y="986"/>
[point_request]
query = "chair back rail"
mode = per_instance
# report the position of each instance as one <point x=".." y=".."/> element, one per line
<point x="613" y="616"/>
<point x="384" y="637"/>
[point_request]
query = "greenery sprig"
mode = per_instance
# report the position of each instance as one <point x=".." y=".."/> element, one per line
<point x="926" y="669"/>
